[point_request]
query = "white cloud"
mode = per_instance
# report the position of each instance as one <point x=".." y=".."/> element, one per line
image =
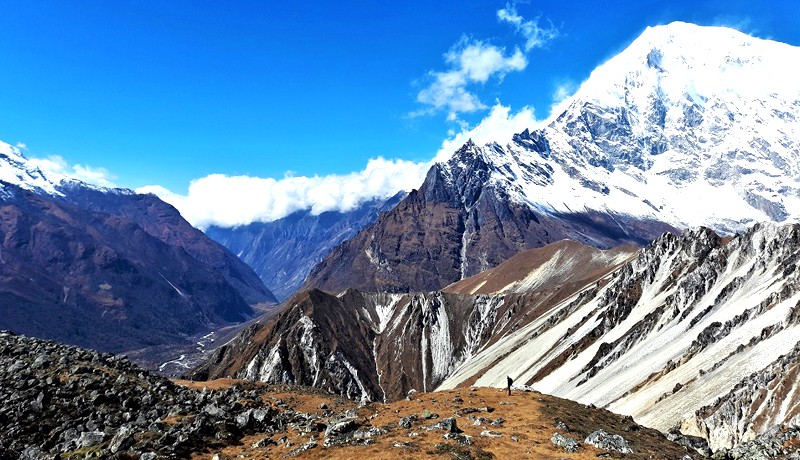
<point x="229" y="201"/>
<point x="535" y="35"/>
<point x="21" y="146"/>
<point x="499" y="126"/>
<point x="54" y="166"/>
<point x="470" y="62"/>
<point x="561" y="97"/>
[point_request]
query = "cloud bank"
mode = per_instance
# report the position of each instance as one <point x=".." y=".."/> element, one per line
<point x="230" y="201"/>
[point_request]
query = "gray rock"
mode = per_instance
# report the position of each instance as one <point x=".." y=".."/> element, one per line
<point x="342" y="426"/>
<point x="459" y="438"/>
<point x="605" y="441"/>
<point x="91" y="438"/>
<point x="498" y="421"/>
<point x="480" y="421"/>
<point x="569" y="444"/>
<point x="426" y="414"/>
<point x="213" y="410"/>
<point x="406" y="422"/>
<point x="448" y="424"/>
<point x="264" y="442"/>
<point x="122" y="440"/>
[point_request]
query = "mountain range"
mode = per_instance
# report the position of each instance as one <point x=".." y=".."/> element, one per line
<point x="637" y="251"/>
<point x="686" y="144"/>
<point x="111" y="269"/>
<point x="282" y="252"/>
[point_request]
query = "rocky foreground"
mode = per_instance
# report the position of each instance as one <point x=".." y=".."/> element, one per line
<point x="60" y="402"/>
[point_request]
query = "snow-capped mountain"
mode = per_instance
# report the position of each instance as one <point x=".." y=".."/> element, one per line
<point x="17" y="170"/>
<point x="688" y="126"/>
<point x="111" y="269"/>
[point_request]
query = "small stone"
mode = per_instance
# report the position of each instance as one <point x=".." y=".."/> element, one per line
<point x="459" y="438"/>
<point x="427" y="415"/>
<point x="447" y="424"/>
<point x="341" y="426"/>
<point x="122" y="440"/>
<point x="561" y="425"/>
<point x="263" y="443"/>
<point x="490" y="434"/>
<point x="498" y="421"/>
<point x="406" y="422"/>
<point x="480" y="421"/>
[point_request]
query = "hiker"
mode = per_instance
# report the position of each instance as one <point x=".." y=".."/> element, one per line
<point x="510" y="382"/>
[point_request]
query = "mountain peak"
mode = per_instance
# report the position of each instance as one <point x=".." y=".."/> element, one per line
<point x="17" y="170"/>
<point x="684" y="112"/>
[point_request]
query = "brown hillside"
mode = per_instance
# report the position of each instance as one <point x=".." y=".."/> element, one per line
<point x="530" y="420"/>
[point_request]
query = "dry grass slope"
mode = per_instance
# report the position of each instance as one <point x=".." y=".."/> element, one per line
<point x="530" y="419"/>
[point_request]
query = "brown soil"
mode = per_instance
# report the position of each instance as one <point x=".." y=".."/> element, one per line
<point x="530" y="421"/>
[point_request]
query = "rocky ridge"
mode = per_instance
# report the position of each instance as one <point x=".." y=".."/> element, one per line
<point x="660" y="335"/>
<point x="63" y="402"/>
<point x="692" y="317"/>
<point x="379" y="346"/>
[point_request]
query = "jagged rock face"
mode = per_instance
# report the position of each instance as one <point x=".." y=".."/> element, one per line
<point x="379" y="346"/>
<point x="678" y="327"/>
<point x="671" y="334"/>
<point x="284" y="251"/>
<point x="676" y="116"/>
<point x="456" y="225"/>
<point x="758" y="402"/>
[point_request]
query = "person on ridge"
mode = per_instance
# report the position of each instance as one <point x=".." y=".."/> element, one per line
<point x="510" y="382"/>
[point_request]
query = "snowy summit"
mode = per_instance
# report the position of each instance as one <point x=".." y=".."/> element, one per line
<point x="690" y="125"/>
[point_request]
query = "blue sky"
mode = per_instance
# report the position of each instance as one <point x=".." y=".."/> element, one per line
<point x="164" y="92"/>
